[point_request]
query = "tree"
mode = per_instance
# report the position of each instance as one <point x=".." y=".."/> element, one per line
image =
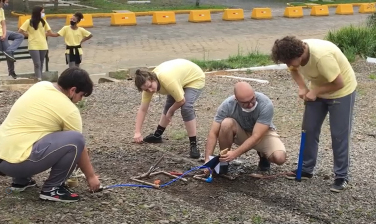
<point x="197" y="3"/>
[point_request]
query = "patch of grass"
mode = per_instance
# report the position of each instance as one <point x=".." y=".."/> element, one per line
<point x="81" y="104"/>
<point x="372" y="76"/>
<point x="325" y="2"/>
<point x="257" y="219"/>
<point x="237" y="61"/>
<point x="106" y="6"/>
<point x="356" y="40"/>
<point x="179" y="134"/>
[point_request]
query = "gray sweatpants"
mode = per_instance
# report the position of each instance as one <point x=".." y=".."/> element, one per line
<point x="340" y="118"/>
<point x="38" y="58"/>
<point x="59" y="151"/>
<point x="17" y="39"/>
<point x="187" y="110"/>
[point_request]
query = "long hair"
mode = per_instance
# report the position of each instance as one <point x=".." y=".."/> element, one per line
<point x="36" y="17"/>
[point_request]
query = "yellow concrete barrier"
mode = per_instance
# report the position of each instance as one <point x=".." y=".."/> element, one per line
<point x="293" y="12"/>
<point x="22" y="19"/>
<point x="164" y="17"/>
<point x="320" y="10"/>
<point x="345" y="9"/>
<point x="367" y="8"/>
<point x="197" y="16"/>
<point x="86" y="22"/>
<point x="261" y="13"/>
<point x="123" y="19"/>
<point x="233" y="14"/>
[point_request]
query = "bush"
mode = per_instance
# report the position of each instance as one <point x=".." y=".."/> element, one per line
<point x="356" y="40"/>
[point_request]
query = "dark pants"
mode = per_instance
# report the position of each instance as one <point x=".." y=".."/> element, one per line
<point x="59" y="151"/>
<point x="340" y="118"/>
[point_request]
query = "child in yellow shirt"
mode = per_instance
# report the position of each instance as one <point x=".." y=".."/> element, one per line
<point x="35" y="30"/>
<point x="74" y="36"/>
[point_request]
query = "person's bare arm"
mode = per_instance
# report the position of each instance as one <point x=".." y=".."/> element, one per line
<point x="258" y="133"/>
<point x="140" y="118"/>
<point x="23" y="32"/>
<point x="211" y="140"/>
<point x="298" y="78"/>
<point x="86" y="38"/>
<point x="176" y="106"/>
<point x="52" y="34"/>
<point x="4" y="29"/>
<point x="337" y="84"/>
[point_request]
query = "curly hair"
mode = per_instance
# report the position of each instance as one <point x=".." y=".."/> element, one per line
<point x="287" y="49"/>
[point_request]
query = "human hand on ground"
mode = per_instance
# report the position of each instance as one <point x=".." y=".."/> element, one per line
<point x="94" y="183"/>
<point x="138" y="138"/>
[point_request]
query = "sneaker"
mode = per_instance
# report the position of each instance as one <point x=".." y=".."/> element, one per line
<point x="305" y="176"/>
<point x="264" y="164"/>
<point x="13" y="74"/>
<point x="339" y="185"/>
<point x="20" y="187"/>
<point x="194" y="152"/>
<point x="9" y="56"/>
<point x="153" y="139"/>
<point x="61" y="193"/>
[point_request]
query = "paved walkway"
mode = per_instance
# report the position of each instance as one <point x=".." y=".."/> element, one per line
<point x="145" y="44"/>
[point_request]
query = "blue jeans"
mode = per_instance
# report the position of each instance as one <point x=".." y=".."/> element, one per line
<point x="17" y="39"/>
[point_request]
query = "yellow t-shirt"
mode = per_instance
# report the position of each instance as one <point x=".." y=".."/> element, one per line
<point x="37" y="38"/>
<point x="2" y="18"/>
<point x="41" y="110"/>
<point x="325" y="63"/>
<point x="174" y="75"/>
<point x="73" y="37"/>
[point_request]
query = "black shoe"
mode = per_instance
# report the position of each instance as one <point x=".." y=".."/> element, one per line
<point x="13" y="74"/>
<point x="62" y="194"/>
<point x="264" y="164"/>
<point x="9" y="56"/>
<point x="305" y="176"/>
<point x="20" y="188"/>
<point x="153" y="139"/>
<point x="194" y="152"/>
<point x="339" y="185"/>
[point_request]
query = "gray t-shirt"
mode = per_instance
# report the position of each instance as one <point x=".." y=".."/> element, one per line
<point x="263" y="113"/>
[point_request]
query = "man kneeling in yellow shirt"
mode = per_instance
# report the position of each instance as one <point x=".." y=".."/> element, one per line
<point x="43" y="130"/>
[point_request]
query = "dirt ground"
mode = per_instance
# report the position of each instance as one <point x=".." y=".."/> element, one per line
<point x="109" y="116"/>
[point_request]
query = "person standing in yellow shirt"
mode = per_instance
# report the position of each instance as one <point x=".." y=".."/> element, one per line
<point x="74" y="37"/>
<point x="182" y="81"/>
<point x="35" y="30"/>
<point x="43" y="130"/>
<point x="332" y="90"/>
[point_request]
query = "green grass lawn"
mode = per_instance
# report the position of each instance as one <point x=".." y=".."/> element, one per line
<point x="110" y="5"/>
<point x="322" y="2"/>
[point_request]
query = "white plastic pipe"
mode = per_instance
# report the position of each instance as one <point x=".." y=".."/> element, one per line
<point x="243" y="78"/>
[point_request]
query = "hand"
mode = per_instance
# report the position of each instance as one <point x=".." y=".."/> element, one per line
<point x="311" y="96"/>
<point x="228" y="157"/>
<point x="138" y="138"/>
<point x="303" y="92"/>
<point x="3" y="37"/>
<point x="94" y="183"/>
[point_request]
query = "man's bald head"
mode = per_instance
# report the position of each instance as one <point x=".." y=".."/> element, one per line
<point x="243" y="89"/>
<point x="244" y="94"/>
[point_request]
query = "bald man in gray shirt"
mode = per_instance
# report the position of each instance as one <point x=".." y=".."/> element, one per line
<point x="246" y="119"/>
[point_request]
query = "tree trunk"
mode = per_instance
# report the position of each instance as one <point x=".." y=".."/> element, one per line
<point x="197" y="3"/>
<point x="27" y="8"/>
<point x="56" y="5"/>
